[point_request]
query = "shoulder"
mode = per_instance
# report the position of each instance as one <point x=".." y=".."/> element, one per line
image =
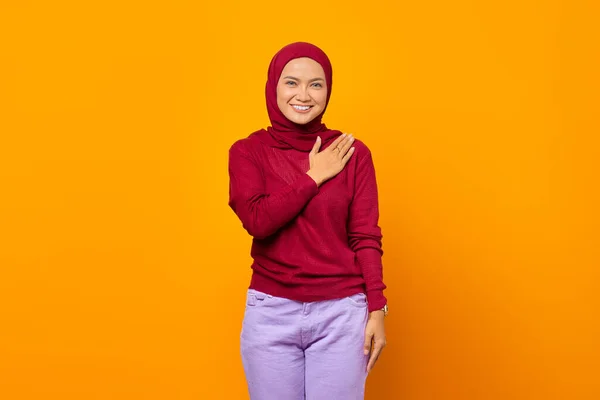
<point x="361" y="145"/>
<point x="361" y="150"/>
<point x="245" y="145"/>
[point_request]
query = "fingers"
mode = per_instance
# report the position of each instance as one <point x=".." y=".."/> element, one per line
<point x="367" y="346"/>
<point x="344" y="146"/>
<point x="316" y="146"/>
<point x="374" y="356"/>
<point x="340" y="148"/>
<point x="348" y="155"/>
<point x="337" y="141"/>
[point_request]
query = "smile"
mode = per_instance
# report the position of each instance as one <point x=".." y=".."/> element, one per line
<point x="301" y="109"/>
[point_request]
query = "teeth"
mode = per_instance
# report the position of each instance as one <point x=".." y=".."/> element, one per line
<point x="301" y="108"/>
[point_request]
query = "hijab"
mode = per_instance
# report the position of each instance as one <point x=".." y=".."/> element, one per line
<point x="284" y="133"/>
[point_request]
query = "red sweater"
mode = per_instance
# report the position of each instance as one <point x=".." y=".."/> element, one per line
<point x="309" y="243"/>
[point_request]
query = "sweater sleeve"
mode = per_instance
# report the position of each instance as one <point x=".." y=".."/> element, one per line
<point x="364" y="233"/>
<point x="261" y="213"/>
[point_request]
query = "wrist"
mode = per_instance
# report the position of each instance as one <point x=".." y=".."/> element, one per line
<point x="377" y="314"/>
<point x="315" y="177"/>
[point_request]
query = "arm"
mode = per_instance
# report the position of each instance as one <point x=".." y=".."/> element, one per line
<point x="262" y="214"/>
<point x="363" y="230"/>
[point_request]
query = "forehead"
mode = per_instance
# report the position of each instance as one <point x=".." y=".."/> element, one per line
<point x="303" y="67"/>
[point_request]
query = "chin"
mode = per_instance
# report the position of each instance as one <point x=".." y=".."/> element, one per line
<point x="301" y="119"/>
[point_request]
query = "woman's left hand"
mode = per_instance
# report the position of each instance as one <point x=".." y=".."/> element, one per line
<point x="374" y="337"/>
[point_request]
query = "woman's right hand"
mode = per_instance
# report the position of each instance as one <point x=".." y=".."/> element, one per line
<point x="326" y="164"/>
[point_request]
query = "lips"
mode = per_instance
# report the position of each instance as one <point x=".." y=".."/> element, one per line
<point x="301" y="109"/>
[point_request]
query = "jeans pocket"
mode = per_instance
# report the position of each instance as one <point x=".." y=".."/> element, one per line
<point x="358" y="300"/>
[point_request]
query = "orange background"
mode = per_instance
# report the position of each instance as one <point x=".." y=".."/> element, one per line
<point x="123" y="271"/>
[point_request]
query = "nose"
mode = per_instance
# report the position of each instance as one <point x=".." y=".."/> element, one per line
<point x="303" y="95"/>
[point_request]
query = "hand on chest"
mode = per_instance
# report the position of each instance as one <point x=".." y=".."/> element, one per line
<point x="334" y="197"/>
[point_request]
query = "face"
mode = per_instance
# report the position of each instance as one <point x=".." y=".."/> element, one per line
<point x="302" y="90"/>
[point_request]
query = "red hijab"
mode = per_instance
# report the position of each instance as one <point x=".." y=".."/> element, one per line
<point x="284" y="133"/>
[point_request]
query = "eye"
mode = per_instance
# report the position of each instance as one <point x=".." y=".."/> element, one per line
<point x="290" y="83"/>
<point x="317" y="85"/>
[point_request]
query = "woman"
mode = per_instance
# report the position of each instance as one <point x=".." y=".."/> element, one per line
<point x="314" y="321"/>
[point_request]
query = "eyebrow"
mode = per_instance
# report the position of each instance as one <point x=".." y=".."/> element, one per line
<point x="296" y="79"/>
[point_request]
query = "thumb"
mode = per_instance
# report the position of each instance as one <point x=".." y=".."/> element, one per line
<point x="316" y="146"/>
<point x="367" y="346"/>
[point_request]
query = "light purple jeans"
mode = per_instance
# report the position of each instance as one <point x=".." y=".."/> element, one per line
<point x="295" y="351"/>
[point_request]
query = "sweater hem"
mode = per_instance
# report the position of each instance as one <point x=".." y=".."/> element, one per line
<point x="300" y="292"/>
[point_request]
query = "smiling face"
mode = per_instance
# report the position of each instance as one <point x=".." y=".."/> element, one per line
<point x="302" y="90"/>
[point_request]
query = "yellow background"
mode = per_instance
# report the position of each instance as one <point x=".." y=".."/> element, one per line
<point x="123" y="271"/>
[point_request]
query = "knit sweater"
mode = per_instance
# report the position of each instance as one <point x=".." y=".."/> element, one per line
<point x="309" y="243"/>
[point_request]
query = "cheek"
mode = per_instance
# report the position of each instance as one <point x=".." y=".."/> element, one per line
<point x="283" y="94"/>
<point x="279" y="95"/>
<point x="321" y="97"/>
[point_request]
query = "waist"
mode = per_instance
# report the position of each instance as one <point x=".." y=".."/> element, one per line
<point x="300" y="286"/>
